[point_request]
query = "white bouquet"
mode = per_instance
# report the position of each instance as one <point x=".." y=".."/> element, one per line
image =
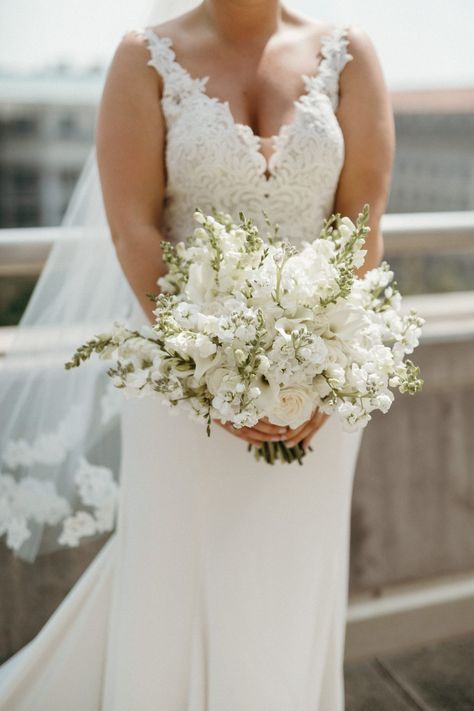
<point x="251" y="326"/>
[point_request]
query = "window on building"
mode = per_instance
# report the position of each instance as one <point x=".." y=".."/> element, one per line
<point x="24" y="179"/>
<point x="68" y="177"/>
<point x="22" y="126"/>
<point x="26" y="216"/>
<point x="67" y="126"/>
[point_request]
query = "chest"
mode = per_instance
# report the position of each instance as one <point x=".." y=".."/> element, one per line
<point x="202" y="130"/>
<point x="260" y="90"/>
<point x="215" y="157"/>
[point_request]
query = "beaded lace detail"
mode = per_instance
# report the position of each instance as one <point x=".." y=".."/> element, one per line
<point x="211" y="160"/>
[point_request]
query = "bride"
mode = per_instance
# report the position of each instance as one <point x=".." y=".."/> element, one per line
<point x="224" y="585"/>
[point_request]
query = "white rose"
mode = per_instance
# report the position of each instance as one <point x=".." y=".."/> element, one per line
<point x="294" y="405"/>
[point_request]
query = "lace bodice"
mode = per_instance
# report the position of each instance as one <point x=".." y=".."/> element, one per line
<point x="211" y="160"/>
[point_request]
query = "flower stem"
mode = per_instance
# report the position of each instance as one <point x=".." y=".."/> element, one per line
<point x="273" y="451"/>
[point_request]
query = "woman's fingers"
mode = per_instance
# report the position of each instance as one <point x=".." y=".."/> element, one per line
<point x="296" y="432"/>
<point x="291" y="434"/>
<point x="264" y="431"/>
<point x="264" y="426"/>
<point x="308" y="431"/>
<point x="306" y="441"/>
<point x="236" y="433"/>
<point x="247" y="433"/>
<point x="294" y="439"/>
<point x="261" y="436"/>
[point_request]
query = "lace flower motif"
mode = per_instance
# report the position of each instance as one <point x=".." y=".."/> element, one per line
<point x="28" y="499"/>
<point x="31" y="499"/>
<point x="48" y="448"/>
<point x="98" y="490"/>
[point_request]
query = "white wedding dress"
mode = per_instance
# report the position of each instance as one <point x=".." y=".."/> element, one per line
<point x="224" y="585"/>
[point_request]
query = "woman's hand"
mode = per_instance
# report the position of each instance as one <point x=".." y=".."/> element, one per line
<point x="263" y="431"/>
<point x="305" y="432"/>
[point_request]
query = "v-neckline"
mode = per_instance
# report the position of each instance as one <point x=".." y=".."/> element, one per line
<point x="266" y="164"/>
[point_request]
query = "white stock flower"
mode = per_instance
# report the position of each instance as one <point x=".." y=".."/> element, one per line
<point x="384" y="400"/>
<point x="346" y="227"/>
<point x="200" y="284"/>
<point x="321" y="386"/>
<point x="336" y="375"/>
<point x="214" y="379"/>
<point x="344" y="320"/>
<point x="119" y="331"/>
<point x="353" y="416"/>
<point x="136" y="381"/>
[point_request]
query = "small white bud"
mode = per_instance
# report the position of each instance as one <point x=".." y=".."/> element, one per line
<point x="199" y="217"/>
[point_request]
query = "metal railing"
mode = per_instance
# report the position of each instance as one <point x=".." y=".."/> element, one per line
<point x="23" y="251"/>
<point x="449" y="316"/>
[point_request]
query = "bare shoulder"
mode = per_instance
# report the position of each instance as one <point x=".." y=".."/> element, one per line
<point x="359" y="38"/>
<point x="365" y="67"/>
<point x="132" y="55"/>
<point x="129" y="71"/>
<point x="360" y="44"/>
<point x="131" y="48"/>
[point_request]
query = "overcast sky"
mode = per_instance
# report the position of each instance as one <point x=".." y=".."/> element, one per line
<point x="419" y="42"/>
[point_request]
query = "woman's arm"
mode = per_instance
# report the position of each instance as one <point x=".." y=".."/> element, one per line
<point x="366" y="117"/>
<point x="130" y="139"/>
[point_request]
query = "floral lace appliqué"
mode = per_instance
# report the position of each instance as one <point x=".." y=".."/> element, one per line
<point x="98" y="490"/>
<point x="212" y="160"/>
<point x="31" y="499"/>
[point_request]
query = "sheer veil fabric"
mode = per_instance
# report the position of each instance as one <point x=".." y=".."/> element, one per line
<point x="60" y="430"/>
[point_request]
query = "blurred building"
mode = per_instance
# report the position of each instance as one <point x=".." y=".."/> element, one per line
<point x="434" y="161"/>
<point x="46" y="130"/>
<point x="47" y="126"/>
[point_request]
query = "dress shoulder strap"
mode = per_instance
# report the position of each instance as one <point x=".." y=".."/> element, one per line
<point x="335" y="56"/>
<point x="177" y="82"/>
<point x="161" y="52"/>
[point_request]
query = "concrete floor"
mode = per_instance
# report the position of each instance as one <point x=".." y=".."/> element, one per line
<point x="436" y="677"/>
